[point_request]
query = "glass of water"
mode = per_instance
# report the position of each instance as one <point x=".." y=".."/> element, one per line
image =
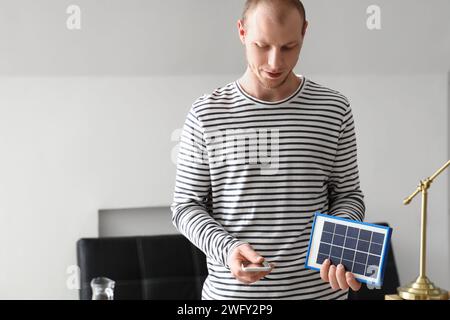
<point x="102" y="288"/>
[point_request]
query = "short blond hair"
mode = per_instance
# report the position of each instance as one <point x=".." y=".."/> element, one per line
<point x="289" y="4"/>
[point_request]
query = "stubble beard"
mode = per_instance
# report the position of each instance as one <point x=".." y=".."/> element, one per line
<point x="267" y="83"/>
<point x="273" y="84"/>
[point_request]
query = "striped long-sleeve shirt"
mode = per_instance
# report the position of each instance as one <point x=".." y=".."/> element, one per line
<point x="251" y="171"/>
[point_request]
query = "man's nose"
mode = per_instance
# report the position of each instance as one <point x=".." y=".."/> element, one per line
<point x="275" y="59"/>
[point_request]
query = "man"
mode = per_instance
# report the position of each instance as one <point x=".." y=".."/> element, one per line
<point x="238" y="208"/>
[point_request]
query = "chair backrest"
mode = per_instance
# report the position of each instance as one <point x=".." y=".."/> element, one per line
<point x="147" y="267"/>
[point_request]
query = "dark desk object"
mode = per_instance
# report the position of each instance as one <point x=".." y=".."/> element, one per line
<point x="168" y="267"/>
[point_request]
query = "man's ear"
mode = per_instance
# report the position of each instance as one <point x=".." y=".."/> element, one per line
<point x="305" y="26"/>
<point x="241" y="30"/>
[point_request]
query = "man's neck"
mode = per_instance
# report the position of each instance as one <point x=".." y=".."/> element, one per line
<point x="251" y="85"/>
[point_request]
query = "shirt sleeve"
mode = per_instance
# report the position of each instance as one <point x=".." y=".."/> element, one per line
<point x="191" y="206"/>
<point x="346" y="199"/>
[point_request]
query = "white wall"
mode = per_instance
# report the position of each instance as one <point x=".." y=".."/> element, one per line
<point x="86" y="118"/>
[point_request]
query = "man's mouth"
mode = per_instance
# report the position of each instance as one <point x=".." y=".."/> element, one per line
<point x="273" y="75"/>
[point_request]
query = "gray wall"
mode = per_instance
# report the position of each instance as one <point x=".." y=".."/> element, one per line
<point x="87" y="118"/>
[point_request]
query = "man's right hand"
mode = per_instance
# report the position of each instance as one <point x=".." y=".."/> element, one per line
<point x="244" y="254"/>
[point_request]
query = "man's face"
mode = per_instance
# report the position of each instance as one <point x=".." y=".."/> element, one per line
<point x="272" y="47"/>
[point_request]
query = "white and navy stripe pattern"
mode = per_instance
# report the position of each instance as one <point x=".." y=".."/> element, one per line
<point x="219" y="205"/>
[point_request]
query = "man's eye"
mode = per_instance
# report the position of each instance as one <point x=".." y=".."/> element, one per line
<point x="259" y="45"/>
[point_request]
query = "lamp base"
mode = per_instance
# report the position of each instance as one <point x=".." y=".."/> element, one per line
<point x="422" y="289"/>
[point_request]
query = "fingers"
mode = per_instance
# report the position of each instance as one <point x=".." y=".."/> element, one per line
<point x="237" y="256"/>
<point x="324" y="270"/>
<point x="332" y="277"/>
<point x="244" y="254"/>
<point x="250" y="277"/>
<point x="251" y="255"/>
<point x="340" y="276"/>
<point x="354" y="284"/>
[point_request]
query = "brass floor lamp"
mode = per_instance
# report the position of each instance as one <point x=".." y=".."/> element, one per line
<point x="423" y="288"/>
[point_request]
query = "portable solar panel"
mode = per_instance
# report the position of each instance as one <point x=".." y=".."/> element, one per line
<point x="360" y="247"/>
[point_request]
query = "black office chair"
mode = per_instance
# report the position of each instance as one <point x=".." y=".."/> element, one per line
<point x="168" y="267"/>
<point x="144" y="268"/>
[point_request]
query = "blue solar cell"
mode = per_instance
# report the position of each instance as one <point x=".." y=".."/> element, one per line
<point x="358" y="268"/>
<point x="335" y="260"/>
<point x="373" y="260"/>
<point x="365" y="235"/>
<point x="338" y="240"/>
<point x="352" y="232"/>
<point x="378" y="237"/>
<point x="325" y="248"/>
<point x="336" y="251"/>
<point x="328" y="227"/>
<point x="363" y="245"/>
<point x="361" y="257"/>
<point x="326" y="237"/>
<point x="376" y="248"/>
<point x="347" y="264"/>
<point x="321" y="258"/>
<point x="350" y="243"/>
<point x="348" y="254"/>
<point x="340" y="229"/>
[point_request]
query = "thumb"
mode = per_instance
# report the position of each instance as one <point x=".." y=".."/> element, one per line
<point x="251" y="255"/>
